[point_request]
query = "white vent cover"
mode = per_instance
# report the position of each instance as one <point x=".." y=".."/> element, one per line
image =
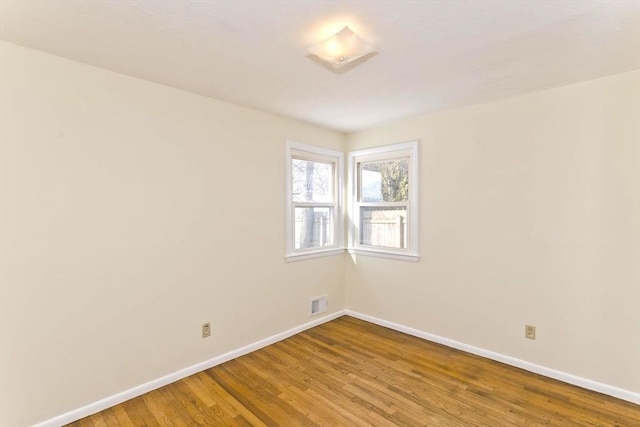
<point x="319" y="304"/>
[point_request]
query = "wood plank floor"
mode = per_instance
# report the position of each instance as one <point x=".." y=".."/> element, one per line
<point x="351" y="373"/>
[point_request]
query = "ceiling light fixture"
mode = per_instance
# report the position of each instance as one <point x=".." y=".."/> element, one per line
<point x="342" y="48"/>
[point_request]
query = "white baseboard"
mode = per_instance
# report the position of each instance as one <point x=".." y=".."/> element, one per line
<point x="116" y="399"/>
<point x="531" y="367"/>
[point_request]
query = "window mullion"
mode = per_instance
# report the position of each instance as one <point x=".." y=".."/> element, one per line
<point x="381" y="204"/>
<point x="313" y="204"/>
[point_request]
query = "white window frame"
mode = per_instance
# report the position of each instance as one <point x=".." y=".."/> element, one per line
<point x="388" y="152"/>
<point x="296" y="150"/>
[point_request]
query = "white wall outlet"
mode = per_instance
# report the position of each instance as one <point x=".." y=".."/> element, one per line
<point x="530" y="332"/>
<point x="206" y="330"/>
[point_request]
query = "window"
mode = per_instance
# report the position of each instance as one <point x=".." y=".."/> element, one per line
<point x="314" y="208"/>
<point x="383" y="201"/>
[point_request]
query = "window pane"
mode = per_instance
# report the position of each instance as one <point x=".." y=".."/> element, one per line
<point x="386" y="181"/>
<point x="313" y="228"/>
<point x="312" y="181"/>
<point x="383" y="226"/>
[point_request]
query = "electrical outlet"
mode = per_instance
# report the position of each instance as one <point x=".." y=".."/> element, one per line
<point x="206" y="330"/>
<point x="530" y="332"/>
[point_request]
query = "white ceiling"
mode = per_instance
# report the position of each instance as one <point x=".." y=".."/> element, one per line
<point x="433" y="55"/>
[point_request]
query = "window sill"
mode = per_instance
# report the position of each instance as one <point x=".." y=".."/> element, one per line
<point x="384" y="254"/>
<point x="315" y="254"/>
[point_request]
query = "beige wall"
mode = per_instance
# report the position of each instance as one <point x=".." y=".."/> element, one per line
<point x="131" y="214"/>
<point x="529" y="214"/>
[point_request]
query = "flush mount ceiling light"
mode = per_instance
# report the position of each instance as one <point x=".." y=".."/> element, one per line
<point x="342" y="48"/>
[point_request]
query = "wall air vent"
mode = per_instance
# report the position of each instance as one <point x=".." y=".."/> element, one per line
<point x="319" y="304"/>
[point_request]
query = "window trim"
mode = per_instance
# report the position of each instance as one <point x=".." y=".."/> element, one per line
<point x="319" y="154"/>
<point x="385" y="152"/>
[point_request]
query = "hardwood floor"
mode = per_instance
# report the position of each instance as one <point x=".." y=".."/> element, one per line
<point x="351" y="373"/>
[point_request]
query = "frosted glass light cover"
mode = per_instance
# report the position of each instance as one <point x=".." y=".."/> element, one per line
<point x="341" y="48"/>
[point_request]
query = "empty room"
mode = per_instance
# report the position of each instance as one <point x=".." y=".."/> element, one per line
<point x="319" y="213"/>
